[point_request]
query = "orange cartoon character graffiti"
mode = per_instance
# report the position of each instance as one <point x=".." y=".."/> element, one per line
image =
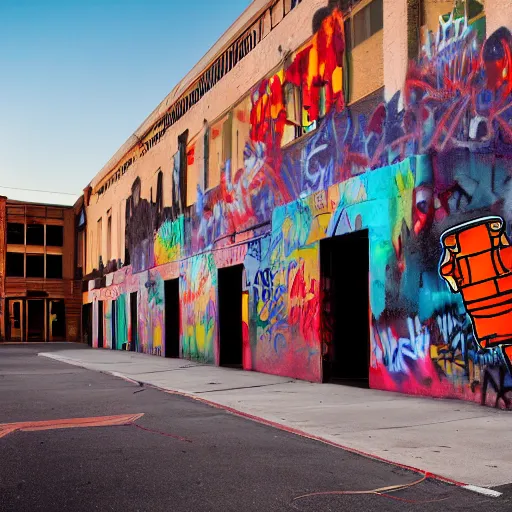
<point x="477" y="263"/>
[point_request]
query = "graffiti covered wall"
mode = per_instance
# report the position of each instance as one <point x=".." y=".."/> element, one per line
<point x="406" y="174"/>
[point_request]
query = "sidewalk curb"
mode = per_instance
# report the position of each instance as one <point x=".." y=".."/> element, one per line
<point x="280" y="426"/>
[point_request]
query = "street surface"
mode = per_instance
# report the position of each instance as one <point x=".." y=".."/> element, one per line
<point x="457" y="440"/>
<point x="180" y="455"/>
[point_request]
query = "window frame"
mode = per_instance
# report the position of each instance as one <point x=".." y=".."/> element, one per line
<point x="46" y="235"/>
<point x="33" y="225"/>
<point x="366" y="13"/>
<point x="8" y="232"/>
<point x="35" y="255"/>
<point x="7" y="273"/>
<point x="61" y="266"/>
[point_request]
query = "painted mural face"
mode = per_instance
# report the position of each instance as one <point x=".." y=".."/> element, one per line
<point x="434" y="156"/>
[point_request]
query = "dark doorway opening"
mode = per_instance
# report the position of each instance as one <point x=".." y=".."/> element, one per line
<point x="133" y="321"/>
<point x="172" y="318"/>
<point x="87" y="324"/>
<point x="114" y="325"/>
<point x="100" y="324"/>
<point x="230" y="316"/>
<point x="15" y="320"/>
<point x="35" y="320"/>
<point x="344" y="263"/>
<point x="57" y="320"/>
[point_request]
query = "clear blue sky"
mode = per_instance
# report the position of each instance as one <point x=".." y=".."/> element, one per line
<point x="77" y="77"/>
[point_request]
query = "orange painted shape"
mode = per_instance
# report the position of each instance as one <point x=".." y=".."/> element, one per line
<point x="491" y="328"/>
<point x="476" y="239"/>
<point x="484" y="290"/>
<point x="481" y="266"/>
<point x="505" y="283"/>
<point x="95" y="421"/>
<point x="5" y="431"/>
<point x="487" y="303"/>
<point x="494" y="310"/>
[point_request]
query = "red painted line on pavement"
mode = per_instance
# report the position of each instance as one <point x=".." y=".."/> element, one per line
<point x="166" y="434"/>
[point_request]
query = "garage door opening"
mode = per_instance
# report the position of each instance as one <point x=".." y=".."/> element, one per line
<point x="35" y="320"/>
<point x="87" y="324"/>
<point x="172" y="318"/>
<point x="344" y="262"/>
<point x="100" y="324"/>
<point x="15" y="321"/>
<point x="133" y="321"/>
<point x="230" y="289"/>
<point x="57" y="320"/>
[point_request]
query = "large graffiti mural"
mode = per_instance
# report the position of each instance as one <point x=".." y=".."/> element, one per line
<point x="434" y="163"/>
<point x="198" y="308"/>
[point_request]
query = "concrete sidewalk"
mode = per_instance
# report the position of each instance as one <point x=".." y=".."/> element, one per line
<point x="454" y="439"/>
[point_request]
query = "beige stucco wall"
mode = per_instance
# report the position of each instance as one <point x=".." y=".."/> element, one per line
<point x="264" y="58"/>
<point x="395" y="46"/>
<point x="367" y="63"/>
<point x="434" y="9"/>
<point x="498" y="14"/>
<point x="367" y="67"/>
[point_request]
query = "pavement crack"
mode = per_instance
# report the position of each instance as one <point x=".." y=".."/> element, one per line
<point x="163" y="371"/>
<point x="427" y="424"/>
<point x="242" y="387"/>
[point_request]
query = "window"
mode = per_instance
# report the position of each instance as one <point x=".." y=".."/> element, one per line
<point x="35" y="265"/>
<point x="15" y="233"/>
<point x="53" y="266"/>
<point x="289" y="5"/>
<point x="277" y="13"/>
<point x="206" y="161"/>
<point x="241" y="133"/>
<point x="55" y="236"/>
<point x="109" y="237"/>
<point x="15" y="264"/>
<point x="35" y="234"/>
<point x="294" y="115"/>
<point x="99" y="229"/>
<point x="81" y="219"/>
<point x="160" y="193"/>
<point x="179" y="174"/>
<point x="348" y="34"/>
<point x="367" y="22"/>
<point x="219" y="149"/>
<point x="265" y="24"/>
<point x="192" y="172"/>
<point x="80" y="252"/>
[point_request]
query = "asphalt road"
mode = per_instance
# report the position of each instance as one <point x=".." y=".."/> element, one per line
<point x="180" y="455"/>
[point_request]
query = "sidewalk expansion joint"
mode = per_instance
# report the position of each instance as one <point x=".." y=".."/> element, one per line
<point x="242" y="387"/>
<point x="163" y="371"/>
<point x="427" y="424"/>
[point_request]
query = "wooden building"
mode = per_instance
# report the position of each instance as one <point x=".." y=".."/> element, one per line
<point x="40" y="297"/>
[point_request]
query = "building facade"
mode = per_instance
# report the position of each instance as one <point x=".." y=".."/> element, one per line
<point x="324" y="196"/>
<point x="40" y="295"/>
